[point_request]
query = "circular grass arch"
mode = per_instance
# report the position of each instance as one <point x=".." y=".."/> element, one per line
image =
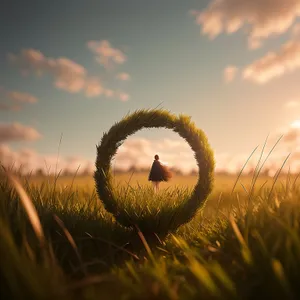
<point x="155" y="118"/>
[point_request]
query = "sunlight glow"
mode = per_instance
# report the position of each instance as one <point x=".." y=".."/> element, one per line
<point x="296" y="124"/>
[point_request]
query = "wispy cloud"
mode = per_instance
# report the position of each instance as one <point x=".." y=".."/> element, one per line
<point x="274" y="64"/>
<point x="20" y="97"/>
<point x="262" y="18"/>
<point x="106" y="54"/>
<point x="230" y="73"/>
<point x="67" y="74"/>
<point x="10" y="132"/>
<point x="93" y="87"/>
<point x="14" y="100"/>
<point x="9" y="107"/>
<point x="110" y="58"/>
<point x="123" y="76"/>
<point x="123" y="97"/>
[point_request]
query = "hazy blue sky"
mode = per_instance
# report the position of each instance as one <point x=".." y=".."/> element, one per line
<point x="169" y="60"/>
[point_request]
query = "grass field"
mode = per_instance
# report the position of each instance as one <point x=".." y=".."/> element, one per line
<point x="222" y="183"/>
<point x="242" y="245"/>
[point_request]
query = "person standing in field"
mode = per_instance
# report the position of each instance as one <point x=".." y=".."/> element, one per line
<point x="158" y="173"/>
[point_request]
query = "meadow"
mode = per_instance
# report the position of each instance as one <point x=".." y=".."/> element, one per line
<point x="244" y="244"/>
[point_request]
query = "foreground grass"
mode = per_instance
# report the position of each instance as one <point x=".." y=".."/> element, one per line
<point x="242" y="245"/>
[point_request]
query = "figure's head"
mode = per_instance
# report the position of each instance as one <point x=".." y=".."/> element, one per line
<point x="156" y="157"/>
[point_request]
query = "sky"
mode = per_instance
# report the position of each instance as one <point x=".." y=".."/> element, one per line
<point x="70" y="69"/>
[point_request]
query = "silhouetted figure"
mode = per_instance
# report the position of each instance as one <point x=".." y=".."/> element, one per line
<point x="158" y="173"/>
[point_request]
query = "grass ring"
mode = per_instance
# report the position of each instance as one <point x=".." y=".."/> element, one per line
<point x="155" y="118"/>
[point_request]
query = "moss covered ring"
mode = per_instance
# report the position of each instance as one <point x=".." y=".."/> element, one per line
<point x="155" y="118"/>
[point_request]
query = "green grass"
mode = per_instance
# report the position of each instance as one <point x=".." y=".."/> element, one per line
<point x="242" y="245"/>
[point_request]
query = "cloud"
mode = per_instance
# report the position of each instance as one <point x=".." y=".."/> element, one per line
<point x="175" y="152"/>
<point x="105" y="54"/>
<point x="260" y="19"/>
<point x="21" y="97"/>
<point x="31" y="161"/>
<point x="123" y="97"/>
<point x="9" y="107"/>
<point x="289" y="144"/>
<point x="290" y="141"/>
<point x="16" y="99"/>
<point x="292" y="104"/>
<point x="134" y="152"/>
<point x="230" y="73"/>
<point x="17" y="132"/>
<point x="123" y="76"/>
<point x="274" y="65"/>
<point x="94" y="87"/>
<point x="78" y="164"/>
<point x="140" y="152"/>
<point x="67" y="74"/>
